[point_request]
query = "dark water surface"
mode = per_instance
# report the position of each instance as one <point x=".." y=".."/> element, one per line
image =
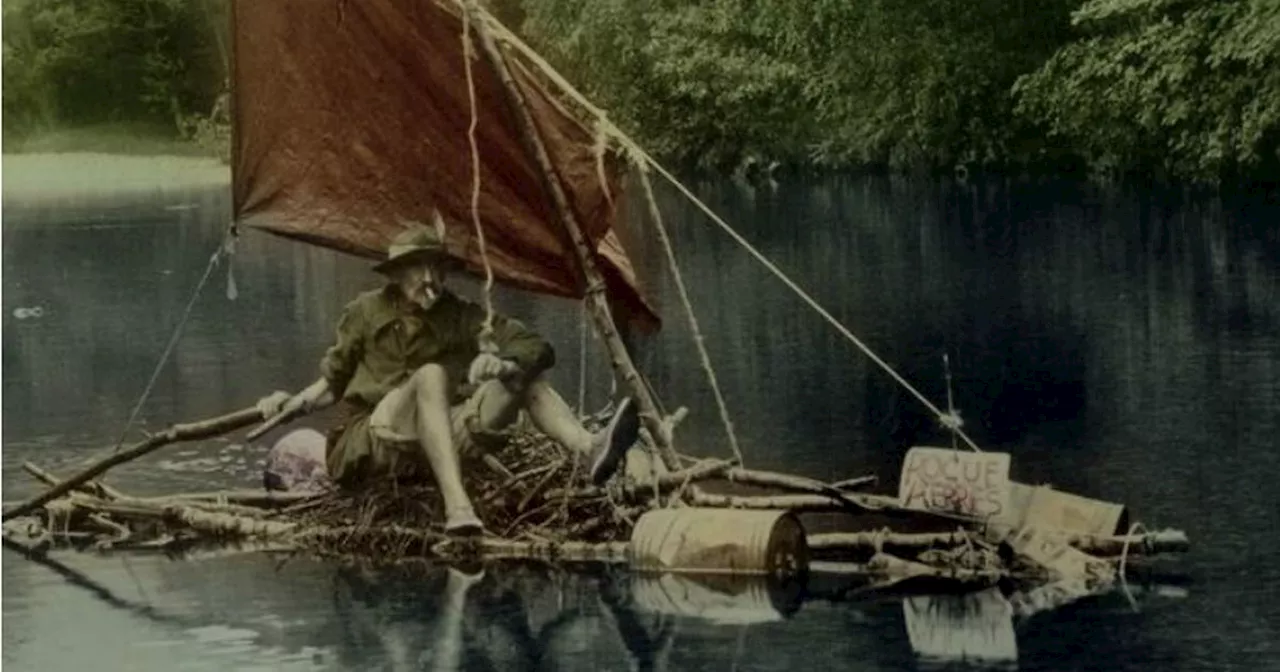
<point x="1122" y="347"/>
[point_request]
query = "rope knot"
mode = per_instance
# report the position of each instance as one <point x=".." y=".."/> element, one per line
<point x="951" y="421"/>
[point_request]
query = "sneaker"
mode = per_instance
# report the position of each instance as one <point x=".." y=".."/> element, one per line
<point x="463" y="522"/>
<point x="612" y="443"/>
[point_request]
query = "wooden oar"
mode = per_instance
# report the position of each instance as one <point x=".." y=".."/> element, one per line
<point x="175" y="434"/>
<point x="275" y="421"/>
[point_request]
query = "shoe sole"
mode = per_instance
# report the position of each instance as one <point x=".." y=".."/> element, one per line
<point x="625" y="424"/>
<point x="465" y="530"/>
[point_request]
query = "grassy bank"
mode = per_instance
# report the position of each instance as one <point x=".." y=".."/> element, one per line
<point x="117" y="139"/>
<point x="86" y="178"/>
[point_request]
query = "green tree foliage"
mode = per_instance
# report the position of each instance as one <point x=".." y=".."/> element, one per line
<point x="1188" y="86"/>
<point x="826" y="81"/>
<point x="84" y="62"/>
<point x="1191" y="87"/>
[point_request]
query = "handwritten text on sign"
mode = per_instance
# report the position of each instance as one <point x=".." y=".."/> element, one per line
<point x="948" y="481"/>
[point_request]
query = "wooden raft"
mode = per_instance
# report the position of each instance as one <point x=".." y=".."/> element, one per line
<point x="536" y="505"/>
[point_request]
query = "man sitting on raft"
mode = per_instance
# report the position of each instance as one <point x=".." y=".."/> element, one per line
<point x="400" y="359"/>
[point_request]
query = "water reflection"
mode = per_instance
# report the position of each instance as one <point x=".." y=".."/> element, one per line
<point x="253" y="610"/>
<point x="214" y="609"/>
<point x="951" y="628"/>
<point x="1125" y="347"/>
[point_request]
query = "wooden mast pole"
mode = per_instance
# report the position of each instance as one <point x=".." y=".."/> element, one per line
<point x="597" y="305"/>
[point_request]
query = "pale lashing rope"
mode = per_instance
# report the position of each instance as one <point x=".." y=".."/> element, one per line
<point x="1124" y="556"/>
<point x="468" y="53"/>
<point x="949" y="420"/>
<point x="703" y="357"/>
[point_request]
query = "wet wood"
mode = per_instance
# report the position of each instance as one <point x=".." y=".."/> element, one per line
<point x="175" y="434"/>
<point x="93" y="487"/>
<point x="798" y="503"/>
<point x="854" y="483"/>
<point x="555" y="551"/>
<point x="264" y="498"/>
<point x="1163" y="541"/>
<point x="792" y="483"/>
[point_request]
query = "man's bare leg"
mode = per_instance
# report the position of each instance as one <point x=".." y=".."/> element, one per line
<point x="553" y="417"/>
<point x="548" y="410"/>
<point x="435" y="433"/>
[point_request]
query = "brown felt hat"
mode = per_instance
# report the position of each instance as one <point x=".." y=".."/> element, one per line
<point x="418" y="243"/>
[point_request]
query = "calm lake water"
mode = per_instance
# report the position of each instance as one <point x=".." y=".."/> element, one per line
<point x="1120" y="346"/>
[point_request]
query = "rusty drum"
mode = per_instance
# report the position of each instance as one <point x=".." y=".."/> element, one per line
<point x="722" y="541"/>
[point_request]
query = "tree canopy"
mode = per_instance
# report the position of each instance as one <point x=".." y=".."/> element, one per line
<point x="1185" y="88"/>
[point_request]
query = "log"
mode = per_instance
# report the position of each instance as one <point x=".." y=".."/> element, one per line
<point x="177" y="433"/>
<point x="1151" y="543"/>
<point x="563" y="551"/>
<point x="896" y="569"/>
<point x="261" y="498"/>
<point x="798" y="503"/>
<point x="904" y="543"/>
<point x="891" y="569"/>
<point x="854" y="483"/>
<point x="666" y="482"/>
<point x="229" y="524"/>
<point x="93" y="488"/>
<point x="773" y="479"/>
<point x="597" y="304"/>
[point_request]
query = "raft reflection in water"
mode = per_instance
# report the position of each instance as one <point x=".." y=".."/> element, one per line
<point x="454" y="618"/>
<point x="462" y="618"/>
<point x="532" y="618"/>
<point x="523" y="619"/>
<point x="972" y="627"/>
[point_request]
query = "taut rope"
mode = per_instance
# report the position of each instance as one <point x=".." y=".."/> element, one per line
<point x="224" y="247"/>
<point x="698" y="340"/>
<point x="949" y="420"/>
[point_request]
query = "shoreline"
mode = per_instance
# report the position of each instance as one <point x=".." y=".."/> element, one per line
<point x="79" y="177"/>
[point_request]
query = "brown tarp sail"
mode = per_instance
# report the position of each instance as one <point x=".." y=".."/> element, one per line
<point x="351" y="117"/>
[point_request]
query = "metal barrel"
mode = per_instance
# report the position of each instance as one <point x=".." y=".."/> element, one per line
<point x="722" y="541"/>
<point x="721" y="599"/>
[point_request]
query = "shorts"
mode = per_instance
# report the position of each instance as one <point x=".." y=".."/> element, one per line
<point x="382" y="443"/>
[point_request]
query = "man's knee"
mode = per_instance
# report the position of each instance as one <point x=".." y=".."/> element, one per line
<point x="430" y="379"/>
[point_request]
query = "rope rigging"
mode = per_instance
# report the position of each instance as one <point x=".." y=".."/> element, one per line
<point x="699" y="341"/>
<point x="950" y="420"/>
<point x="485" y="338"/>
<point x="226" y="247"/>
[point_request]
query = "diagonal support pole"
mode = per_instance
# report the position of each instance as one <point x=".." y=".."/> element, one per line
<point x="596" y="303"/>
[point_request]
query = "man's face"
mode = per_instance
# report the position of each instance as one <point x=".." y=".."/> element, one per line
<point x="421" y="282"/>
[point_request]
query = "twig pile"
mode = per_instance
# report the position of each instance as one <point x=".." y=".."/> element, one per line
<point x="529" y="489"/>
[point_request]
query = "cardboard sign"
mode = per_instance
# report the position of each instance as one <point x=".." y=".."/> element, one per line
<point x="951" y="482"/>
<point x="1044" y="507"/>
<point x="1059" y="510"/>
